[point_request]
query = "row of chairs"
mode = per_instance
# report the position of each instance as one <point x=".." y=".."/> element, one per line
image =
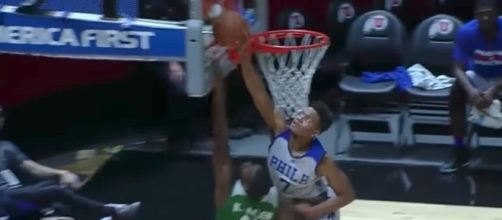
<point x="378" y="41"/>
<point x="335" y="17"/>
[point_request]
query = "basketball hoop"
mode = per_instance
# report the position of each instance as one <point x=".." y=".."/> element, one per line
<point x="289" y="60"/>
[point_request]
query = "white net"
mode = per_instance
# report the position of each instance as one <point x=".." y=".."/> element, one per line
<point x="289" y="75"/>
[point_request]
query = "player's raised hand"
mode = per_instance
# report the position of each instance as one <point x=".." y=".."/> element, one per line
<point x="479" y="100"/>
<point x="71" y="180"/>
<point x="220" y="59"/>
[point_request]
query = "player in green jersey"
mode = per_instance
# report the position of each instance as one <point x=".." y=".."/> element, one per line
<point x="252" y="196"/>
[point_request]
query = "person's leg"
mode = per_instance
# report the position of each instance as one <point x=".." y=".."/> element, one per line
<point x="43" y="195"/>
<point x="457" y="104"/>
<point x="46" y="194"/>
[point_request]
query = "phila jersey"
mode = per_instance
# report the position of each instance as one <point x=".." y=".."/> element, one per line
<point x="295" y="176"/>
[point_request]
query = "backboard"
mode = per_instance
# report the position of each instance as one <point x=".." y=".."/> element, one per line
<point x="84" y="34"/>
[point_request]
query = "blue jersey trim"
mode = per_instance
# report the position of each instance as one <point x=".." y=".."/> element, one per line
<point x="316" y="150"/>
<point x="286" y="134"/>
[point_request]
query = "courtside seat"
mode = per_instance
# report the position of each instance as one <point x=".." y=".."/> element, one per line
<point x="375" y="43"/>
<point x="431" y="46"/>
<point x="475" y="133"/>
<point x="294" y="19"/>
<point x="410" y="12"/>
<point x="420" y="93"/>
<point x="355" y="85"/>
<point x="340" y="15"/>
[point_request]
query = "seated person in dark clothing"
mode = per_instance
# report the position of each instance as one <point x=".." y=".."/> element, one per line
<point x="478" y="69"/>
<point x="20" y="201"/>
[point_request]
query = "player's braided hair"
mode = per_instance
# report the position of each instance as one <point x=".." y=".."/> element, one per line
<point x="260" y="184"/>
<point x="326" y="116"/>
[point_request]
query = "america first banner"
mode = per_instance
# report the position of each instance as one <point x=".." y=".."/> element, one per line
<point x="80" y="35"/>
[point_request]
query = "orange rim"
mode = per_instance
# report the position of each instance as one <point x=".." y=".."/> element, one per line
<point x="259" y="46"/>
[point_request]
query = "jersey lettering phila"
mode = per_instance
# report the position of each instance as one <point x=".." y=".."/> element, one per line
<point x="295" y="176"/>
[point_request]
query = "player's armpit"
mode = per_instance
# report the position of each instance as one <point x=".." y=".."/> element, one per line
<point x="339" y="182"/>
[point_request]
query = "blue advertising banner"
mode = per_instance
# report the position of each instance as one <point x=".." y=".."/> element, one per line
<point x="80" y="35"/>
<point x="125" y="7"/>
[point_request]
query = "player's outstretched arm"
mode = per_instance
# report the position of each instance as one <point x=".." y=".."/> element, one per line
<point x="222" y="166"/>
<point x="339" y="182"/>
<point x="262" y="100"/>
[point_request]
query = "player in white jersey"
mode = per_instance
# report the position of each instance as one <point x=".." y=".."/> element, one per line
<point x="298" y="164"/>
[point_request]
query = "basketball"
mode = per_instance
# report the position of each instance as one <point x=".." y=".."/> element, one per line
<point x="211" y="8"/>
<point x="230" y="29"/>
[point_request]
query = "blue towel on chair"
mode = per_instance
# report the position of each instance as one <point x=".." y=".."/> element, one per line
<point x="399" y="75"/>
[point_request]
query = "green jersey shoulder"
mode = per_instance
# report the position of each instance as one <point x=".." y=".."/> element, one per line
<point x="240" y="207"/>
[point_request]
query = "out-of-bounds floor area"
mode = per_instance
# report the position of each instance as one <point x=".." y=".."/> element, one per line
<point x="120" y="128"/>
<point x="181" y="187"/>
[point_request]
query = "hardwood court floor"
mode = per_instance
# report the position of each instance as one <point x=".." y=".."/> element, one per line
<point x="382" y="210"/>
